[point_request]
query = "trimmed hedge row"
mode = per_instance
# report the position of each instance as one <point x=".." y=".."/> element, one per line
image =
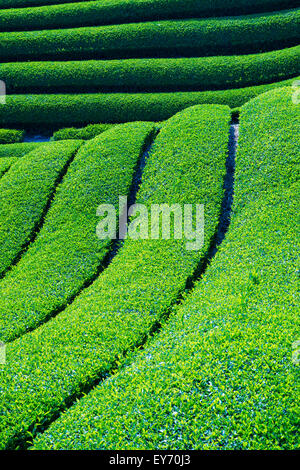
<point x="11" y="136"/>
<point x="5" y="4"/>
<point x="117" y="107"/>
<point x="5" y="164"/>
<point x="85" y="133"/>
<point x="18" y="150"/>
<point x="67" y="255"/>
<point x="220" y="374"/>
<point x="89" y="132"/>
<point x="48" y="367"/>
<point x="105" y="12"/>
<point x="24" y="194"/>
<point x="201" y="73"/>
<point x="253" y="33"/>
<point x="118" y="11"/>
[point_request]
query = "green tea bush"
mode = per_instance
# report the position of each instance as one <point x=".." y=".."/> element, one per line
<point x="85" y="133"/>
<point x="193" y="6"/>
<point x="200" y="73"/>
<point x="19" y="150"/>
<point x="5" y="164"/>
<point x="29" y="3"/>
<point x="220" y="375"/>
<point x="24" y="194"/>
<point x="87" y="13"/>
<point x="49" y="366"/>
<point x="11" y="136"/>
<point x="117" y="107"/>
<point x="88" y="132"/>
<point x="67" y="254"/>
<point x="235" y="35"/>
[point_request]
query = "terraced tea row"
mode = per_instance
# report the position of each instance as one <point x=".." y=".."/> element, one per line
<point x="66" y="110"/>
<point x="10" y="136"/>
<point x="87" y="13"/>
<point x="25" y="192"/>
<point x="67" y="255"/>
<point x="85" y="133"/>
<point x="19" y="149"/>
<point x="244" y="34"/>
<point x="220" y="374"/>
<point x="47" y="368"/>
<point x="200" y="73"/>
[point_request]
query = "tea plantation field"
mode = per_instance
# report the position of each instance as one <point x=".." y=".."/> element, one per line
<point x="142" y="340"/>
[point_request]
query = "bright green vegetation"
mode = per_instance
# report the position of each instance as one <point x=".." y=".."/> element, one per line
<point x="217" y="326"/>
<point x="253" y="33"/>
<point x="118" y="107"/>
<point x="19" y="150"/>
<point x="11" y="136"/>
<point x="67" y="253"/>
<point x="85" y="133"/>
<point x="28" y="3"/>
<point x="25" y="191"/>
<point x="220" y="374"/>
<point x="86" y="13"/>
<point x="48" y="367"/>
<point x="197" y="73"/>
<point x="5" y="164"/>
<point x="88" y="132"/>
<point x="190" y="6"/>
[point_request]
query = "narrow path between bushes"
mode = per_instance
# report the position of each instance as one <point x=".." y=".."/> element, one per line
<point x="135" y="185"/>
<point x="228" y="187"/>
<point x="224" y="222"/>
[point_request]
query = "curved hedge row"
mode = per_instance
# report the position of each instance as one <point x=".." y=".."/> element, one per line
<point x="67" y="255"/>
<point x="104" y="12"/>
<point x="5" y="164"/>
<point x="18" y="150"/>
<point x="53" y="364"/>
<point x="220" y="374"/>
<point x="201" y="73"/>
<point x="11" y="136"/>
<point x="117" y="107"/>
<point x="5" y="4"/>
<point x="85" y="133"/>
<point x="25" y="191"/>
<point x="254" y="33"/>
<point x="88" y="132"/>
